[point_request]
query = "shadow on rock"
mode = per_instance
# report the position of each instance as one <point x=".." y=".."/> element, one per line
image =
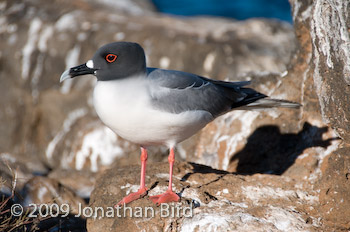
<point x="269" y="151"/>
<point x="203" y="169"/>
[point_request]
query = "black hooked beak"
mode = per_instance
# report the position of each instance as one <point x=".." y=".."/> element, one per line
<point x="77" y="71"/>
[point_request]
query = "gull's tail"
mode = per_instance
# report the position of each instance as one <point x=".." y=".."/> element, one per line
<point x="271" y="103"/>
<point x="248" y="99"/>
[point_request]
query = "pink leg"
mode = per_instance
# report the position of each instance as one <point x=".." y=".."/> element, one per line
<point x="169" y="195"/>
<point x="142" y="190"/>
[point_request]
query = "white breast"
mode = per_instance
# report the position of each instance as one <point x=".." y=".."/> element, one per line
<point x="125" y="107"/>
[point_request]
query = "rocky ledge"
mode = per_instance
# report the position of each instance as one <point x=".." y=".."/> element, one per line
<point x="211" y="200"/>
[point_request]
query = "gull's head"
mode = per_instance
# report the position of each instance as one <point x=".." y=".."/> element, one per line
<point x="112" y="61"/>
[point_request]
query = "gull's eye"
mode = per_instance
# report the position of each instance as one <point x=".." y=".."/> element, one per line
<point x="110" y="58"/>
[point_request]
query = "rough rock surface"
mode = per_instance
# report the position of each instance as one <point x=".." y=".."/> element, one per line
<point x="42" y="190"/>
<point x="329" y="29"/>
<point x="216" y="200"/>
<point x="275" y="170"/>
<point x="322" y="29"/>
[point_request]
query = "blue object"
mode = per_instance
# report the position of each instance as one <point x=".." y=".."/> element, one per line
<point x="237" y="9"/>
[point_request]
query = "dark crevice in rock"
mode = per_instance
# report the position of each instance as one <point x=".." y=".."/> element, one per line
<point x="211" y="197"/>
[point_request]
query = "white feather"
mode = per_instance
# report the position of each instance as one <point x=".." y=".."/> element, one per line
<point x="125" y="106"/>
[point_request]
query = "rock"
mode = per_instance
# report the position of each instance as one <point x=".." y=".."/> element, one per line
<point x="80" y="182"/>
<point x="335" y="190"/>
<point x="12" y="170"/>
<point x="323" y="37"/>
<point x="42" y="190"/>
<point x="87" y="144"/>
<point x="40" y="198"/>
<point x="132" y="7"/>
<point x="219" y="201"/>
<point x="331" y="70"/>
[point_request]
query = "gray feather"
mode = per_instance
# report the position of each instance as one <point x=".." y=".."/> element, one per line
<point x="176" y="92"/>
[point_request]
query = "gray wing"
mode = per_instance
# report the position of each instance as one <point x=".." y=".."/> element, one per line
<point x="176" y="92"/>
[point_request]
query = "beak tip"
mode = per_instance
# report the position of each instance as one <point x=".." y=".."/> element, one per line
<point x="79" y="70"/>
<point x="65" y="75"/>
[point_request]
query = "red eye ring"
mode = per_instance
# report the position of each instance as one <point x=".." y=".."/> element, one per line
<point x="110" y="58"/>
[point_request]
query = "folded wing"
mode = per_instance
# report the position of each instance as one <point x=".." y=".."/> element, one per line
<point x="176" y="92"/>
